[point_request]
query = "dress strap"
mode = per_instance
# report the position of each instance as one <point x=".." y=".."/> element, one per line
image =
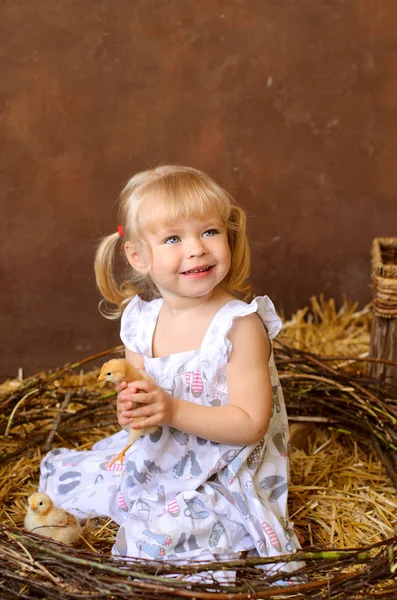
<point x="137" y="324"/>
<point x="216" y="341"/>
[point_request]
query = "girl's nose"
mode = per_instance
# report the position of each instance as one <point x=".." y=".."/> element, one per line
<point x="196" y="247"/>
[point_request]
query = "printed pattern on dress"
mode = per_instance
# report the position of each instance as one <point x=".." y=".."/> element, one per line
<point x="178" y="495"/>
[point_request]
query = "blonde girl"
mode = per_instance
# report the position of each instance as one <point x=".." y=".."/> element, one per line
<point x="212" y="480"/>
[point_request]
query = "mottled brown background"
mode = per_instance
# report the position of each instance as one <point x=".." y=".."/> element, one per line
<point x="290" y="105"/>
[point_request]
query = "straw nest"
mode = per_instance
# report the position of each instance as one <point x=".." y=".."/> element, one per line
<point x="342" y="494"/>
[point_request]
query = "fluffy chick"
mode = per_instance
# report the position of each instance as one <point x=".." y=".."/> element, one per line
<point x="49" y="521"/>
<point x="116" y="371"/>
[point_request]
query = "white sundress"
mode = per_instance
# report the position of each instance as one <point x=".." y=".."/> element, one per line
<point x="179" y="496"/>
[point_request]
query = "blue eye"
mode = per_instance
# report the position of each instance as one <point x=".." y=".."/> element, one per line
<point x="173" y="239"/>
<point x="210" y="232"/>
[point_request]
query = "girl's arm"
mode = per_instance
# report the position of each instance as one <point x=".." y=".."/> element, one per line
<point x="243" y="422"/>
<point x="135" y="359"/>
<point x="246" y="419"/>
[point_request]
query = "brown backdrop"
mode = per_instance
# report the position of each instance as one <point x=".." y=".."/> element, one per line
<point x="290" y="105"/>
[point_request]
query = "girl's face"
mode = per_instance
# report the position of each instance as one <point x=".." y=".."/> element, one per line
<point x="186" y="259"/>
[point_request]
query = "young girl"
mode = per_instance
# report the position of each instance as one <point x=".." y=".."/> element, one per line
<point x="212" y="480"/>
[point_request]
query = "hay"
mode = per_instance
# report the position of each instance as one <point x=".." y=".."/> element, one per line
<point x="326" y="331"/>
<point x="342" y="494"/>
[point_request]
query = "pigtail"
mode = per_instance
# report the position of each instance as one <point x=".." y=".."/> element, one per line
<point x="114" y="293"/>
<point x="237" y="278"/>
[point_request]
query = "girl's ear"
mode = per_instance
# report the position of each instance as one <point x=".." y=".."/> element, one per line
<point x="138" y="260"/>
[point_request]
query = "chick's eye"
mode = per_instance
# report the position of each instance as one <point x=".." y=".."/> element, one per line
<point x="172" y="239"/>
<point x="40" y="504"/>
<point x="109" y="373"/>
<point x="210" y="232"/>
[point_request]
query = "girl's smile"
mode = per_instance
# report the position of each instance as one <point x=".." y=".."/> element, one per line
<point x="198" y="272"/>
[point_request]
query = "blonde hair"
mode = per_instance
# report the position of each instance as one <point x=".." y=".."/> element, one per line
<point x="165" y="194"/>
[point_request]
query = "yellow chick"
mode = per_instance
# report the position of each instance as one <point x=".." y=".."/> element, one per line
<point x="116" y="371"/>
<point x="49" y="521"/>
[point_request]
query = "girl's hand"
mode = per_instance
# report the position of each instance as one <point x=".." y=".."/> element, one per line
<point x="146" y="400"/>
<point x="124" y="403"/>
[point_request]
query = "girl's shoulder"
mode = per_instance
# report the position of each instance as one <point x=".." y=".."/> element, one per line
<point x="136" y="306"/>
<point x="135" y="312"/>
<point x="266" y="311"/>
<point x="261" y="305"/>
<point x="217" y="337"/>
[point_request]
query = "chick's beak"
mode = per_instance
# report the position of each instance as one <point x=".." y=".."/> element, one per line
<point x="101" y="378"/>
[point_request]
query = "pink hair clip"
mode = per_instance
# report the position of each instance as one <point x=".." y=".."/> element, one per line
<point x="120" y="230"/>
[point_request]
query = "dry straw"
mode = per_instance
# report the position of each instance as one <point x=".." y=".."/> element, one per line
<point x="342" y="495"/>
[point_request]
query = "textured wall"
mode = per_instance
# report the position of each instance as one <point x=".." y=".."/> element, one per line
<point x="290" y="105"/>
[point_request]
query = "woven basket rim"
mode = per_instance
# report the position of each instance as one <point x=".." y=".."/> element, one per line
<point x="379" y="267"/>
